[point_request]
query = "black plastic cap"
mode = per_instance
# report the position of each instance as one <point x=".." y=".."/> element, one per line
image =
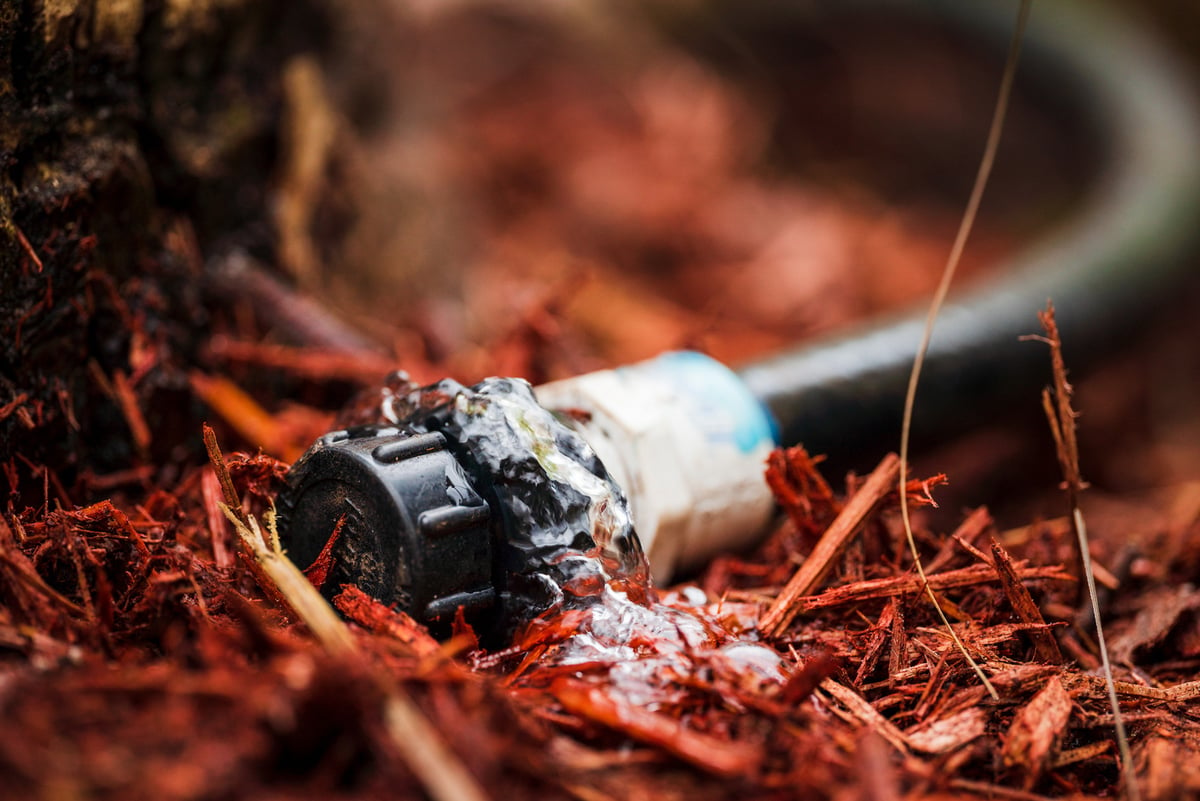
<point x="416" y="534"/>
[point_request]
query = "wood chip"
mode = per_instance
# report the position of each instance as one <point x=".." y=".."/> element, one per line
<point x="948" y="734"/>
<point x="831" y="545"/>
<point x="1172" y="769"/>
<point x="1025" y="607"/>
<point x="1036" y="731"/>
<point x="911" y="584"/>
<point x="712" y="754"/>
<point x="854" y="707"/>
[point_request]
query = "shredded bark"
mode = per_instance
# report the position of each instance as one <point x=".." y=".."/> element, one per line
<point x="118" y="617"/>
<point x="831" y="545"/>
<point x="150" y="650"/>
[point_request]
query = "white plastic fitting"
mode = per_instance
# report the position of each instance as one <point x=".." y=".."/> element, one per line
<point x="688" y="442"/>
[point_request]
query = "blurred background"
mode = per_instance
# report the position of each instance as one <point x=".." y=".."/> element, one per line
<point x="728" y="177"/>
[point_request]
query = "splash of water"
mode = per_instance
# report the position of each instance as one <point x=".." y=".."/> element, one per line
<point x="567" y="523"/>
<point x="572" y="553"/>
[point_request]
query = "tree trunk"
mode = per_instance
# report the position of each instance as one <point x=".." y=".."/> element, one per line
<point x="136" y="137"/>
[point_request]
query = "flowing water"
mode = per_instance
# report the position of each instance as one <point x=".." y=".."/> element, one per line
<point x="578" y="584"/>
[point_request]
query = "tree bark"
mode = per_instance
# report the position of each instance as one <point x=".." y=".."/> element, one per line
<point x="136" y="136"/>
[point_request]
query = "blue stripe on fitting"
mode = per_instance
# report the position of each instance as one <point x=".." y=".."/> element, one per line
<point x="724" y="406"/>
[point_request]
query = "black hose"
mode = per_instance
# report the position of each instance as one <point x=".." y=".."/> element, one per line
<point x="1106" y="270"/>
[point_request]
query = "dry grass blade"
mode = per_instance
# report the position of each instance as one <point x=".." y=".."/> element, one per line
<point x="222" y="470"/>
<point x="300" y="595"/>
<point x="1062" y="425"/>
<point x="444" y="777"/>
<point x="439" y="770"/>
<point x="960" y="241"/>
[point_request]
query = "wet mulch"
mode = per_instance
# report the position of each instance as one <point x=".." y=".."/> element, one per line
<point x="142" y="657"/>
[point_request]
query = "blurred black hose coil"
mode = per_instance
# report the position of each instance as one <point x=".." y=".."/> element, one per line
<point x="1106" y="270"/>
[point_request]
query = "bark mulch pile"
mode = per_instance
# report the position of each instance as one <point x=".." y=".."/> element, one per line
<point x="146" y="652"/>
<point x="145" y="655"/>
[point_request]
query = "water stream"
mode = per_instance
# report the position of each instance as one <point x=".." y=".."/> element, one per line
<point x="573" y="559"/>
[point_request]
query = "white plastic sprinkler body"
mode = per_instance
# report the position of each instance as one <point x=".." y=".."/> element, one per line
<point x="688" y="442"/>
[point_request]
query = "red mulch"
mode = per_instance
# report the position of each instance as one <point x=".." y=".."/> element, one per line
<point x="141" y="657"/>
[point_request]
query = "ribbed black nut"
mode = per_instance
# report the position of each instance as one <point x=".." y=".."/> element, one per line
<point x="416" y="533"/>
<point x="400" y="448"/>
